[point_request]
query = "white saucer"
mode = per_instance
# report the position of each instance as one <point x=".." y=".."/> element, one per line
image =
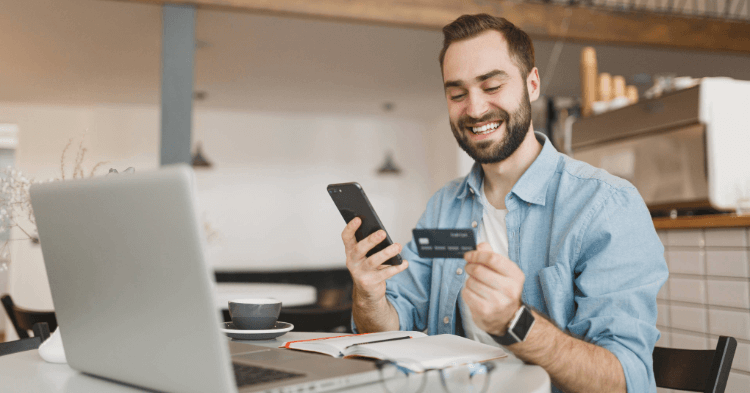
<point x="250" y="334"/>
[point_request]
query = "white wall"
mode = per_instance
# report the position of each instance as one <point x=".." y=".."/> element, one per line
<point x="442" y="154"/>
<point x="265" y="195"/>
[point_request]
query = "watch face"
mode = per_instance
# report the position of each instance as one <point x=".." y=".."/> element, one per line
<point x="522" y="327"/>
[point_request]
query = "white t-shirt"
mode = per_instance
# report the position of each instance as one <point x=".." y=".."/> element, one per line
<point x="492" y="230"/>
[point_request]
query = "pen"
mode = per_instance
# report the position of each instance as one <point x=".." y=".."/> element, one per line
<point x="380" y="341"/>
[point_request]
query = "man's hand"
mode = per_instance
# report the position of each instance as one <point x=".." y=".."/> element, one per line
<point x="493" y="289"/>
<point x="371" y="310"/>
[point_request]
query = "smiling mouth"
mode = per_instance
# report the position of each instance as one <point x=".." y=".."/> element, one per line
<point x="485" y="129"/>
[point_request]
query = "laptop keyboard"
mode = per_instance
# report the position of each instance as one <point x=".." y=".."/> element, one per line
<point x="251" y="375"/>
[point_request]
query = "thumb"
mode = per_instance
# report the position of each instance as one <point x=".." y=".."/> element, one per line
<point x="484" y="246"/>
<point x="395" y="269"/>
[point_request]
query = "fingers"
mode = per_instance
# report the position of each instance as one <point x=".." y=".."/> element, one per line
<point x="491" y="309"/>
<point x="493" y="261"/>
<point x="348" y="234"/>
<point x="490" y="287"/>
<point x="486" y="257"/>
<point x="484" y="246"/>
<point x="369" y="242"/>
<point x="361" y="248"/>
<point x="377" y="259"/>
<point x="392" y="270"/>
<point x="477" y="298"/>
<point x="485" y="275"/>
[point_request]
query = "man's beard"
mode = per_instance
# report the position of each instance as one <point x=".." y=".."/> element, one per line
<point x="490" y="152"/>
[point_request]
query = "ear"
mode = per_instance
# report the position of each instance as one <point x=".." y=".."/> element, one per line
<point x="533" y="84"/>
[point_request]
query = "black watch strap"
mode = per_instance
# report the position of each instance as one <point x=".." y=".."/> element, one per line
<point x="518" y="329"/>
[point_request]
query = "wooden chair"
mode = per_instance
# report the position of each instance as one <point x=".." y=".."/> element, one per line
<point x="318" y="318"/>
<point x="332" y="312"/>
<point x="24" y="320"/>
<point x="695" y="370"/>
<point x="41" y="333"/>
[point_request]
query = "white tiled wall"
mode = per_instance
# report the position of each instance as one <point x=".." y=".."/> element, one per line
<point x="728" y="263"/>
<point x="686" y="261"/>
<point x="691" y="290"/>
<point x="707" y="294"/>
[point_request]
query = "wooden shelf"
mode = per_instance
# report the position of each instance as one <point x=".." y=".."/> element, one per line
<point x="708" y="221"/>
<point x="539" y="20"/>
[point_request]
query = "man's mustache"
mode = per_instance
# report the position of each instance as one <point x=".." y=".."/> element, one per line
<point x="499" y="114"/>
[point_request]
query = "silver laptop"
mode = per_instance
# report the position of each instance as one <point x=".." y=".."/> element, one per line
<point x="134" y="296"/>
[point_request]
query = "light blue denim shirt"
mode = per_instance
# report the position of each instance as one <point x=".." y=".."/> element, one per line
<point x="583" y="238"/>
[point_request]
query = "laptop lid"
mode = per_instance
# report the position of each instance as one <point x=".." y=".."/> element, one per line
<point x="132" y="293"/>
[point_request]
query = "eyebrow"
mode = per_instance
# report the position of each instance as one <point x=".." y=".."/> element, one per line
<point x="481" y="78"/>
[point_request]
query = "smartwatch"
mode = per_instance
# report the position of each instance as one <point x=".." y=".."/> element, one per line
<point x="518" y="329"/>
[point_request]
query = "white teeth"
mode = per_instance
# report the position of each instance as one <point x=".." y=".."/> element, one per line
<point x="485" y="129"/>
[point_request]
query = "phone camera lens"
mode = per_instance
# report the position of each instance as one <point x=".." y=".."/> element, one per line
<point x="339" y="190"/>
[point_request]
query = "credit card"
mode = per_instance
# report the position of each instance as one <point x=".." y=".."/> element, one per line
<point x="444" y="243"/>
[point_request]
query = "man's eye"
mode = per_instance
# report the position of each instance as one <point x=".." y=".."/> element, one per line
<point x="457" y="97"/>
<point x="492" y="89"/>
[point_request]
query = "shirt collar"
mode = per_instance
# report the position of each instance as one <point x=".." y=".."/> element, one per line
<point x="532" y="186"/>
<point x="472" y="182"/>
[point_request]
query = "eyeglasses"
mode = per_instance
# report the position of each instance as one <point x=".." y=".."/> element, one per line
<point x="405" y="376"/>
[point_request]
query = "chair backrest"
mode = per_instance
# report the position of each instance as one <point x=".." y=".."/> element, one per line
<point x="24" y="320"/>
<point x="695" y="370"/>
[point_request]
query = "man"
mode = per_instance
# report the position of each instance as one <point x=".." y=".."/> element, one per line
<point x="562" y="243"/>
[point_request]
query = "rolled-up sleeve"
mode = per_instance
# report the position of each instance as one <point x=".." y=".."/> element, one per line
<point x="619" y="270"/>
<point x="409" y="291"/>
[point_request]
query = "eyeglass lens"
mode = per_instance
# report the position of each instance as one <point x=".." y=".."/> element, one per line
<point x="398" y="379"/>
<point x="467" y="378"/>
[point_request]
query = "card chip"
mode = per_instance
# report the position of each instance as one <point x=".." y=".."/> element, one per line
<point x="424" y="241"/>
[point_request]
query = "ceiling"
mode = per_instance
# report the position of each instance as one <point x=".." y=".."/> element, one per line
<point x="81" y="52"/>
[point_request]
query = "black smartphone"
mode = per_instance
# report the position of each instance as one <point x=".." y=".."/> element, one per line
<point x="352" y="201"/>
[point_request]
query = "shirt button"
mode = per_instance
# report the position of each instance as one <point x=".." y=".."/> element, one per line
<point x="474" y="224"/>
<point x="446" y="320"/>
<point x="471" y="190"/>
<point x="528" y="204"/>
<point x="459" y="271"/>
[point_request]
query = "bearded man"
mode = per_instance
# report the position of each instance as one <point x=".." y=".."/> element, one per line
<point x="569" y="264"/>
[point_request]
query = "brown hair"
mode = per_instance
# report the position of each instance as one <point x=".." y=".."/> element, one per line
<point x="468" y="26"/>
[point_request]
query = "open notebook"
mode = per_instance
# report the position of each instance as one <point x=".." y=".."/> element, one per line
<point x="414" y="350"/>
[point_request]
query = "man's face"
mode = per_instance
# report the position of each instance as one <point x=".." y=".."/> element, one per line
<point x="488" y="100"/>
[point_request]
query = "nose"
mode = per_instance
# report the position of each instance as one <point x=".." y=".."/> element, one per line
<point x="477" y="106"/>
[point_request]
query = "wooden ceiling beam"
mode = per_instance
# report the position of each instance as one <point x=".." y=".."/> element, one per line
<point x="545" y="21"/>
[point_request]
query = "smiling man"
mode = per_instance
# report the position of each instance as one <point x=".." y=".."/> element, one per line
<point x="569" y="264"/>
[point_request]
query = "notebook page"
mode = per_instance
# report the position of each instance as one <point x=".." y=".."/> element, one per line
<point x="436" y="351"/>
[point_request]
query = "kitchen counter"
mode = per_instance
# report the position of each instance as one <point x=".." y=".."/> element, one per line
<point x="707" y="221"/>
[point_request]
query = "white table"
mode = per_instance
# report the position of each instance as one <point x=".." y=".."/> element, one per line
<point x="27" y="372"/>
<point x="510" y="375"/>
<point x="290" y="294"/>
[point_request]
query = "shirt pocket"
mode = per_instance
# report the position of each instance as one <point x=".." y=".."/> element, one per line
<point x="557" y="288"/>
